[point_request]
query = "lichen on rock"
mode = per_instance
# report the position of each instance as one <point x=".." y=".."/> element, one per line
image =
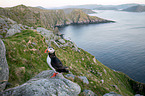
<point x="88" y="93"/>
<point x="44" y="85"/>
<point x="4" y="70"/>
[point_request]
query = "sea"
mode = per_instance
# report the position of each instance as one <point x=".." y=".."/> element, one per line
<point x="120" y="45"/>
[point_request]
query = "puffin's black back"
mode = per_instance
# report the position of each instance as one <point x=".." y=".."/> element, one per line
<point x="57" y="64"/>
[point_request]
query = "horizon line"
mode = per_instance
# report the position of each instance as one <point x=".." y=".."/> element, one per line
<point x="72" y="5"/>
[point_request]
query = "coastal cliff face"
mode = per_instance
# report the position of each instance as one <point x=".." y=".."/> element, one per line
<point x="36" y="17"/>
<point x="79" y="17"/>
<point x="26" y="59"/>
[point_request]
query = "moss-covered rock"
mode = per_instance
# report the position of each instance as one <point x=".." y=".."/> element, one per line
<point x="44" y="85"/>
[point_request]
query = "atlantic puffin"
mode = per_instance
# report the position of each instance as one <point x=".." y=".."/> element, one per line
<point x="54" y="63"/>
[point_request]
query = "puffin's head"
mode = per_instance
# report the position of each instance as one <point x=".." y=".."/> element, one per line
<point x="49" y="50"/>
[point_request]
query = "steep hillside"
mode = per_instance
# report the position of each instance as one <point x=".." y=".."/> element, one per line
<point x="32" y="16"/>
<point x="21" y="14"/>
<point x="137" y="8"/>
<point x="26" y="58"/>
<point x="77" y="16"/>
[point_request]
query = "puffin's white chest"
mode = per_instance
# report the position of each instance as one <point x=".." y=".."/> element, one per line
<point x="48" y="60"/>
<point x="49" y="63"/>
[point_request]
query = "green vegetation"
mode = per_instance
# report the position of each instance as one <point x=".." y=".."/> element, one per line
<point x="26" y="58"/>
<point x="82" y="64"/>
<point x="3" y="34"/>
<point x="34" y="17"/>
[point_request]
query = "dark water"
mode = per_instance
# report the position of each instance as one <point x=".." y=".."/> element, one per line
<point x="120" y="45"/>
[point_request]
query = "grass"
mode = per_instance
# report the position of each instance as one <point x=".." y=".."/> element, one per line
<point x="26" y="58"/>
<point x="3" y="34"/>
<point x="87" y="67"/>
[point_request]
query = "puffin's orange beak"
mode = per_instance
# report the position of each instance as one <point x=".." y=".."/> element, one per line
<point x="46" y="51"/>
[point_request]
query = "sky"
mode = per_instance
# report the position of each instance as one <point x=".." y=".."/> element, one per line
<point x="59" y="3"/>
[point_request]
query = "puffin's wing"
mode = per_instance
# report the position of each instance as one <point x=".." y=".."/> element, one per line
<point x="59" y="62"/>
<point x="60" y="67"/>
<point x="56" y="63"/>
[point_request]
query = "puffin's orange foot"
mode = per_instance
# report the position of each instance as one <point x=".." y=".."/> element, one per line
<point x="54" y="74"/>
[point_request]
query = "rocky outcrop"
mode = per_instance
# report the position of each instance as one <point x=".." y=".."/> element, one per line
<point x="14" y="29"/>
<point x="8" y="27"/>
<point x="88" y="93"/>
<point x="4" y="70"/>
<point x="56" y="39"/>
<point x="3" y="27"/>
<point x="84" y="79"/>
<point x="77" y="16"/>
<point x="43" y="85"/>
<point x="70" y="76"/>
<point x="45" y="32"/>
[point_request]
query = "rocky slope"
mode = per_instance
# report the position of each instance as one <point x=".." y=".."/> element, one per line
<point x="32" y="16"/>
<point x="26" y="58"/>
<point x="138" y="8"/>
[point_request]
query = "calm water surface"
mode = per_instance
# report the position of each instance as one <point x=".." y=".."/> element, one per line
<point x="120" y="45"/>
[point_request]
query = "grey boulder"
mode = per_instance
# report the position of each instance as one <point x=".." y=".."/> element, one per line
<point x="13" y="30"/>
<point x="43" y="85"/>
<point x="88" y="93"/>
<point x="84" y="79"/>
<point x="4" y="70"/>
<point x="70" y="76"/>
<point x="61" y="41"/>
